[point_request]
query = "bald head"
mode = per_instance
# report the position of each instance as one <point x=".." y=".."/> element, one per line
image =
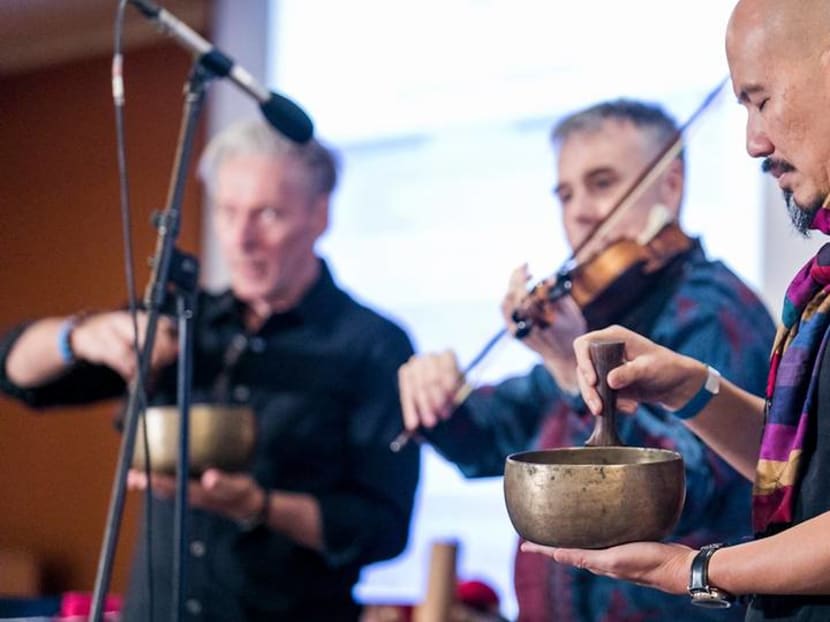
<point x="779" y="60"/>
<point x="789" y="29"/>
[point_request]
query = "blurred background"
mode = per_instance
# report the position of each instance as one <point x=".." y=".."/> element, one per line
<point x="441" y="111"/>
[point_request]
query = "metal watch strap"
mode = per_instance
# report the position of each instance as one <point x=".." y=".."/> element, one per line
<point x="703" y="594"/>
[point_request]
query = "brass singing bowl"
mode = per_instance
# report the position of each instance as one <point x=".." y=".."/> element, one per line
<point x="596" y="496"/>
<point x="220" y="436"/>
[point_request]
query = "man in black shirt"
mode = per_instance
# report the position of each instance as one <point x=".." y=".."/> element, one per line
<point x="324" y="496"/>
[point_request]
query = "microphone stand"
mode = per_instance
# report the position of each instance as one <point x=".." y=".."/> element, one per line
<point x="185" y="281"/>
<point x="173" y="272"/>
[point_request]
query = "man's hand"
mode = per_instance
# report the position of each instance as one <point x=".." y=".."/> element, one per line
<point x="236" y="496"/>
<point x="108" y="339"/>
<point x="651" y="373"/>
<point x="652" y="564"/>
<point x="553" y="343"/>
<point x="428" y="385"/>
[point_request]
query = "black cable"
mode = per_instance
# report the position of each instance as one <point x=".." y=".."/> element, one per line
<point x="129" y="269"/>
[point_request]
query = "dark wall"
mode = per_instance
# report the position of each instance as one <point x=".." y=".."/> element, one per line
<point x="61" y="250"/>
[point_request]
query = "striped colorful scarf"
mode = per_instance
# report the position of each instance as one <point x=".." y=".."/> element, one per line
<point x="791" y="387"/>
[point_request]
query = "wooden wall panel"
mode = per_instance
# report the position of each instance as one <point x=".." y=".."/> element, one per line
<point x="61" y="250"/>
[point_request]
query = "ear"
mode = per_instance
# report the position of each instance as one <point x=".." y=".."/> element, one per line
<point x="824" y="64"/>
<point x="671" y="186"/>
<point x="320" y="214"/>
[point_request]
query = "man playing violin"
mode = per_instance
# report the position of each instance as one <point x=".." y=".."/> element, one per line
<point x="778" y="57"/>
<point x="688" y="303"/>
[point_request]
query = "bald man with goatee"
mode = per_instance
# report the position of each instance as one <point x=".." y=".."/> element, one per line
<point x="779" y="60"/>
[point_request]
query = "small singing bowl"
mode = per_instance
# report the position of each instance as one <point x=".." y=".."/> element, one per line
<point x="594" y="497"/>
<point x="220" y="436"/>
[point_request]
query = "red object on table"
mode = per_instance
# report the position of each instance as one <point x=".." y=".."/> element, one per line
<point x="80" y="604"/>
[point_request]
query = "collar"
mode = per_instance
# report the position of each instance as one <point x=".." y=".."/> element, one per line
<point x="316" y="305"/>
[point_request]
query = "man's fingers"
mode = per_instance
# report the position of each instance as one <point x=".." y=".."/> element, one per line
<point x="422" y="402"/>
<point x="405" y="391"/>
<point x="518" y="278"/>
<point x="162" y="485"/>
<point x="626" y="405"/>
<point x="136" y="480"/>
<point x="588" y="390"/>
<point x="516" y="293"/>
<point x="427" y="384"/>
<point x="440" y="381"/>
<point x="570" y="557"/>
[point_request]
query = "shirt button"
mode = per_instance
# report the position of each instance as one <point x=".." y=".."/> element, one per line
<point x="197" y="548"/>
<point x="240" y="341"/>
<point x="257" y="344"/>
<point x="241" y="393"/>
<point x="193" y="606"/>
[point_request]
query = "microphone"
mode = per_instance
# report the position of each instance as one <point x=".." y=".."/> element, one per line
<point x="283" y="114"/>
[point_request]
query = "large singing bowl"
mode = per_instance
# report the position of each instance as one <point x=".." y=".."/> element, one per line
<point x="220" y="436"/>
<point x="596" y="496"/>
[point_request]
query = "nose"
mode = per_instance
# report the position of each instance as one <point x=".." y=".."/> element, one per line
<point x="758" y="144"/>
<point x="243" y="233"/>
<point x="581" y="215"/>
<point x="583" y="208"/>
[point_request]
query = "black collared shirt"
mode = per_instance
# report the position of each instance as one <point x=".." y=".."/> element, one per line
<point x="322" y="380"/>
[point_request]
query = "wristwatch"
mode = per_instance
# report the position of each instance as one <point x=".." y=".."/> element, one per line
<point x="700" y="399"/>
<point x="703" y="594"/>
<point x="260" y="518"/>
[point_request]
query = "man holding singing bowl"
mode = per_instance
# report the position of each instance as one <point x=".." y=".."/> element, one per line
<point x="779" y="60"/>
<point x="324" y="496"/>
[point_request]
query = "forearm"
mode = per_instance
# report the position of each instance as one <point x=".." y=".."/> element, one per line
<point x="731" y="425"/>
<point x="298" y="516"/>
<point x="366" y="517"/>
<point x="464" y="441"/>
<point x="795" y="561"/>
<point x="484" y="430"/>
<point x="34" y="358"/>
<point x="502" y="420"/>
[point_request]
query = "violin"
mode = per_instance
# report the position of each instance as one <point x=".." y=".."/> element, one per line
<point x="607" y="284"/>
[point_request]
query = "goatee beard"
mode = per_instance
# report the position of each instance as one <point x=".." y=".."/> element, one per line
<point x="801" y="217"/>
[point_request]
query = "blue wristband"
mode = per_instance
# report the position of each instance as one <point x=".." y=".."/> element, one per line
<point x="702" y="397"/>
<point x="64" y="344"/>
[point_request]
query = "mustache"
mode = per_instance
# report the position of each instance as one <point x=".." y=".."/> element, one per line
<point x="780" y="165"/>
